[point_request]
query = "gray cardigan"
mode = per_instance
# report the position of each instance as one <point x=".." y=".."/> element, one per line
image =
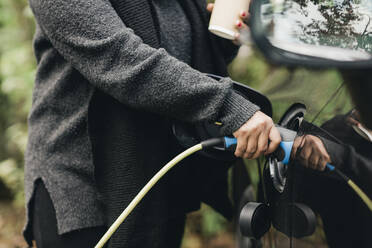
<point x="82" y="47"/>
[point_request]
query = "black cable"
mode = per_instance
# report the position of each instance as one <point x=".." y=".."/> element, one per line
<point x="341" y="175"/>
<point x="260" y="171"/>
<point x="212" y="143"/>
<point x="338" y="90"/>
<point x="328" y="102"/>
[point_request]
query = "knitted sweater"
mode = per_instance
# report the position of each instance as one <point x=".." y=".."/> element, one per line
<point x="83" y="49"/>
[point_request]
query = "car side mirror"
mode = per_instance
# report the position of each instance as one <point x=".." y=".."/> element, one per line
<point x="319" y="34"/>
<point x="314" y="33"/>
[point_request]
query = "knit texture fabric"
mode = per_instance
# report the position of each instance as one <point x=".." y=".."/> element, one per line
<point x="176" y="36"/>
<point x="96" y="75"/>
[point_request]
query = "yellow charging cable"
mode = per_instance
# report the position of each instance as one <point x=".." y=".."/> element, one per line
<point x="179" y="158"/>
<point x="361" y="194"/>
<point x="144" y="191"/>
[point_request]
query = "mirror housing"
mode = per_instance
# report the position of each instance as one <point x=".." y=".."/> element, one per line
<point x="301" y="56"/>
<point x="355" y="73"/>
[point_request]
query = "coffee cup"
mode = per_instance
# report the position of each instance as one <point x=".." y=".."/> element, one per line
<point x="225" y="14"/>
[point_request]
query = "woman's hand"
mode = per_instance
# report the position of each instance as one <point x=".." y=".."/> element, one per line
<point x="309" y="150"/>
<point x="258" y="136"/>
<point x="240" y="23"/>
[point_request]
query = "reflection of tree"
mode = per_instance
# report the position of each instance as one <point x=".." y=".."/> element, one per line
<point x="338" y="26"/>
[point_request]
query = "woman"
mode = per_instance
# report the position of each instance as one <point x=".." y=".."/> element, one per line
<point x="110" y="77"/>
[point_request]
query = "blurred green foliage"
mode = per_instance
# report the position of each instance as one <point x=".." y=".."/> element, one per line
<point x="17" y="72"/>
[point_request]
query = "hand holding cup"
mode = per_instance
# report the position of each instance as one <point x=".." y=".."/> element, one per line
<point x="228" y="19"/>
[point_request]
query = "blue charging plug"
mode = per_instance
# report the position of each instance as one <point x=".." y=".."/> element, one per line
<point x="283" y="153"/>
<point x="285" y="147"/>
<point x="230" y="143"/>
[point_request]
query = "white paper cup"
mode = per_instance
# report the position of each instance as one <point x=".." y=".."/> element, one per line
<point x="224" y="16"/>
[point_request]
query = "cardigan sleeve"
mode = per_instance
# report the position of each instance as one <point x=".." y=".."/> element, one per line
<point x="92" y="38"/>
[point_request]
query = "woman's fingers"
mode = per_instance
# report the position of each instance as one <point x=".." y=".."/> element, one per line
<point x="296" y="146"/>
<point x="324" y="156"/>
<point x="322" y="164"/>
<point x="210" y="7"/>
<point x="244" y="15"/>
<point x="310" y="151"/>
<point x="263" y="144"/>
<point x="275" y="139"/>
<point x="252" y="145"/>
<point x="241" y="146"/>
<point x="254" y="135"/>
<point x="241" y="25"/>
<point x="305" y="153"/>
<point x="243" y="37"/>
<point x="314" y="160"/>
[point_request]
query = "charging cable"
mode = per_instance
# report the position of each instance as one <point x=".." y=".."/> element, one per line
<point x="283" y="155"/>
<point x="352" y="185"/>
<point x="203" y="145"/>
